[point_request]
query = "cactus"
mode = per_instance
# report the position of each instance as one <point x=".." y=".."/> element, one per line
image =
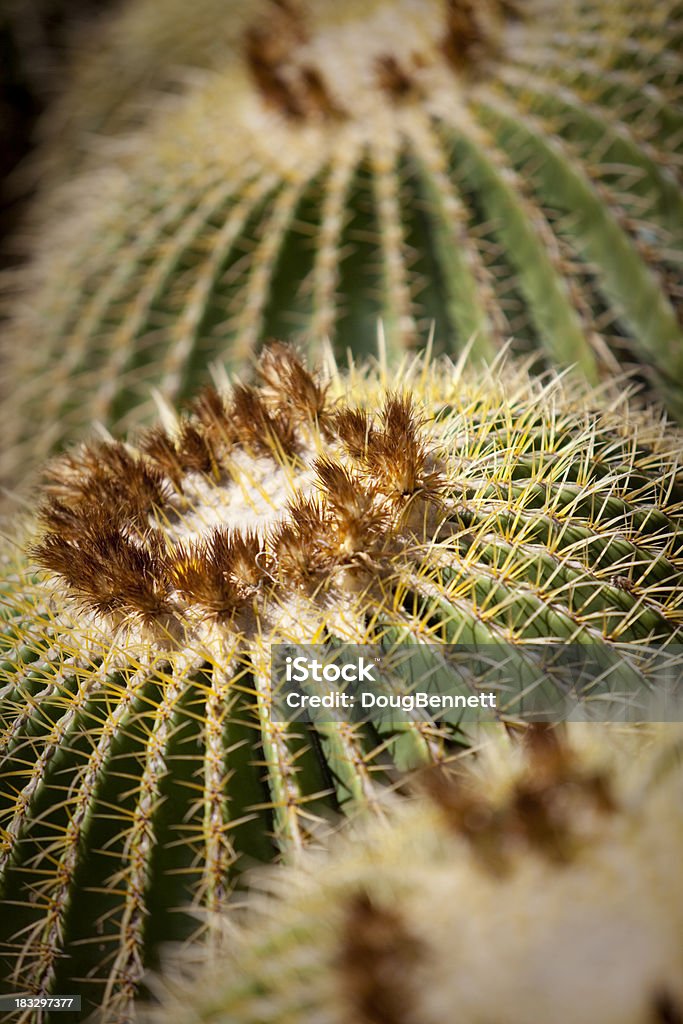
<point x="546" y="890"/>
<point x="495" y="169"/>
<point x="141" y="769"/>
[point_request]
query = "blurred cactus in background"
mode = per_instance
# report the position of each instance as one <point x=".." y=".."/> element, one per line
<point x="529" y="889"/>
<point x="242" y="170"/>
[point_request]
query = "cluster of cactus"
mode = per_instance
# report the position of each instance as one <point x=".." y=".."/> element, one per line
<point x="471" y="169"/>
<point x="537" y="888"/>
<point x="141" y="767"/>
<point x="494" y="169"/>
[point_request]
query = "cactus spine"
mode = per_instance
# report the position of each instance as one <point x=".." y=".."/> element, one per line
<point x="141" y="767"/>
<point x="543" y="890"/>
<point x="499" y="169"/>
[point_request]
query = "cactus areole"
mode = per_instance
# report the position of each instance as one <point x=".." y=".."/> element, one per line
<point x="496" y="169"/>
<point x="142" y="769"/>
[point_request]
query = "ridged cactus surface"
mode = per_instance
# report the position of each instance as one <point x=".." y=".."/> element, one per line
<point x="535" y="890"/>
<point x="498" y="169"/>
<point x="142" y="769"/>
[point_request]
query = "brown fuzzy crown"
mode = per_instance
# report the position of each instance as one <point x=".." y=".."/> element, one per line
<point x="114" y="512"/>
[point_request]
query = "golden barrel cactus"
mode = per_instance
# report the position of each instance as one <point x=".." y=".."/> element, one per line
<point x="141" y="767"/>
<point x="498" y="169"/>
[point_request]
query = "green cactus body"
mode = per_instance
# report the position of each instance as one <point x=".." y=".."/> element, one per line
<point x="547" y="890"/>
<point x="142" y="770"/>
<point x="493" y="169"/>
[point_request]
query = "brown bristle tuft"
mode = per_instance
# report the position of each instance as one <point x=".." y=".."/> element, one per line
<point x="547" y="753"/>
<point x="109" y="573"/>
<point x="394" y="79"/>
<point x="354" y="430"/>
<point x="356" y="515"/>
<point x="399" y="419"/>
<point x="341" y="486"/>
<point x="195" y="575"/>
<point x="256" y="427"/>
<point x="540" y="812"/>
<point x="514" y="10"/>
<point x="270" y="48"/>
<point x="469" y="38"/>
<point x="318" y="100"/>
<point x="75" y="521"/>
<point x="292" y="389"/>
<point x="267" y="49"/>
<point x="306" y="514"/>
<point x="239" y="555"/>
<point x="161" y="449"/>
<point x="219" y="574"/>
<point x="553" y="772"/>
<point x="377" y="958"/>
<point x="212" y="413"/>
<point x="467" y="814"/>
<point x="666" y="1010"/>
<point x="300" y="543"/>
<point x="195" y="451"/>
<point x="105" y="476"/>
<point x="394" y="456"/>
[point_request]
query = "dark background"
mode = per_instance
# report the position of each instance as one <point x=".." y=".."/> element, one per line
<point x="37" y="38"/>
